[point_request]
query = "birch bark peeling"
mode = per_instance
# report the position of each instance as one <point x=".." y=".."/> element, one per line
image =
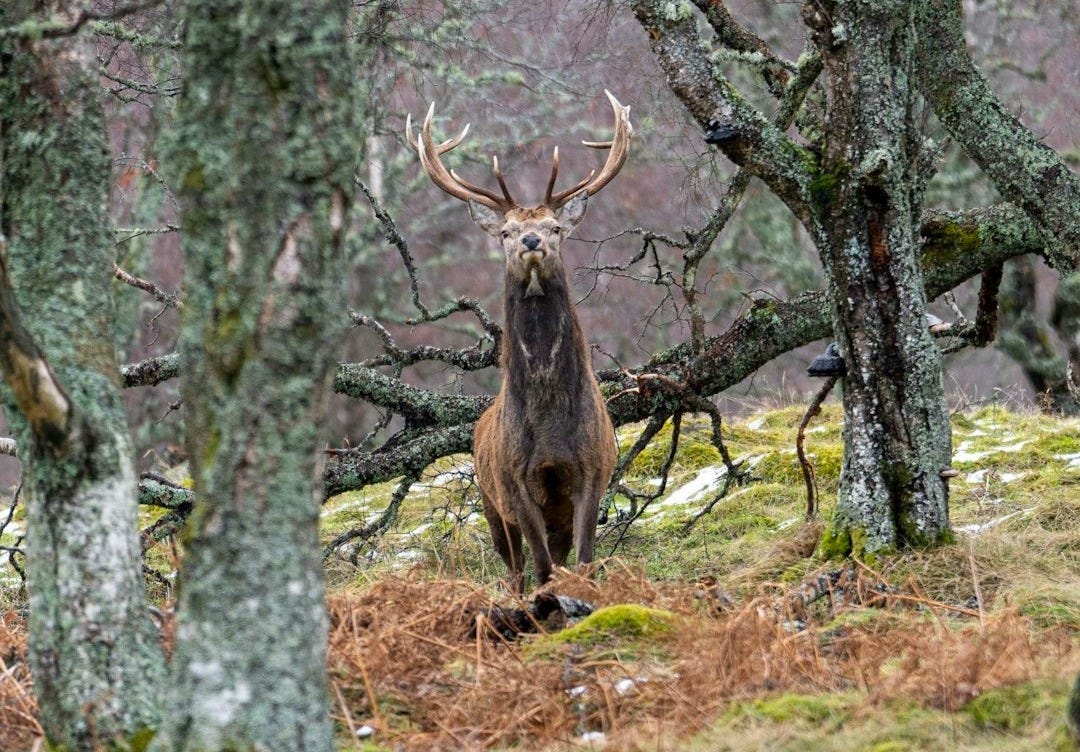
<point x="40" y="398"/>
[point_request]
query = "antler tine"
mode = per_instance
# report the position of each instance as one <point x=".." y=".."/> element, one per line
<point x="620" y="148"/>
<point x="445" y="179"/>
<point x="548" y="200"/>
<point x="554" y="174"/>
<point x="502" y="181"/>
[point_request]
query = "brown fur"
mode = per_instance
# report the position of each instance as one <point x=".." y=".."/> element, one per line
<point x="545" y="450"/>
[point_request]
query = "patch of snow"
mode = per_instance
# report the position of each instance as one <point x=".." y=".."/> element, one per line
<point x="1073" y="459"/>
<point x="749" y="461"/>
<point x="16" y="529"/>
<point x="964" y="452"/>
<point x="625" y="685"/>
<point x="448" y="477"/>
<point x="976" y="477"/>
<point x="704" y="481"/>
<point x="790" y="521"/>
<point x="365" y="731"/>
<point x="756" y="424"/>
<point x="979" y="476"/>
<point x="1011" y="448"/>
<point x="577" y="691"/>
<point x="593" y="736"/>
<point x="981" y="527"/>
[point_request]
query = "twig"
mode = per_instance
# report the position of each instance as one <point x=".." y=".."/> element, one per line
<point x="395" y="239"/>
<point x="809" y="477"/>
<point x="146" y="285"/>
<point x="665" y="469"/>
<point x="652" y="427"/>
<point x="379" y="526"/>
<point x="54" y="29"/>
<point x="975" y="584"/>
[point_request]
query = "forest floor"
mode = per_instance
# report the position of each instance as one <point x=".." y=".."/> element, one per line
<point x="724" y="634"/>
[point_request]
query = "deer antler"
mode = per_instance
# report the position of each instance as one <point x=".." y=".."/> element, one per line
<point x="448" y="180"/>
<point x="619" y="146"/>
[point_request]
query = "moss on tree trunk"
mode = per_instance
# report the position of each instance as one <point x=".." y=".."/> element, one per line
<point x="896" y="429"/>
<point x="94" y="652"/>
<point x="263" y="149"/>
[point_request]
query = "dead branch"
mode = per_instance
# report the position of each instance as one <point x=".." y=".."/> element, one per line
<point x="167" y="299"/>
<point x="800" y="440"/>
<point x="366" y="534"/>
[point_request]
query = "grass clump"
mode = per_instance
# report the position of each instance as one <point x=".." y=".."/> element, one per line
<point x="802" y="707"/>
<point x="1015" y="707"/>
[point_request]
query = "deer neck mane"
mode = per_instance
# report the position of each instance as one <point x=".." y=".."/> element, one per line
<point x="544" y="358"/>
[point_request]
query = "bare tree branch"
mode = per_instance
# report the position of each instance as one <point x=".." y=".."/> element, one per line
<point x="172" y="301"/>
<point x="1022" y="168"/>
<point x="53" y="29"/>
<point x="751" y="140"/>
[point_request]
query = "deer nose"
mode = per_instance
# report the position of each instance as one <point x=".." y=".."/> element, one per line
<point x="531" y="241"/>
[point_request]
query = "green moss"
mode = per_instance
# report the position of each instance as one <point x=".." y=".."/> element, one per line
<point x="1051" y="606"/>
<point x="799" y="707"/>
<point x="694" y="452"/>
<point x="835" y="543"/>
<point x="1015" y="707"/>
<point x="946" y="241"/>
<point x="625" y="626"/>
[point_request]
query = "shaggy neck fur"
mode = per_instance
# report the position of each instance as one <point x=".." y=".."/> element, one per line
<point x="545" y="359"/>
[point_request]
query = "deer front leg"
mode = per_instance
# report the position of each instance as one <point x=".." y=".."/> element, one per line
<point x="531" y="518"/>
<point x="586" y="510"/>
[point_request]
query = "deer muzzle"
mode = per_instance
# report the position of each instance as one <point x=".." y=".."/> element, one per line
<point x="531" y="259"/>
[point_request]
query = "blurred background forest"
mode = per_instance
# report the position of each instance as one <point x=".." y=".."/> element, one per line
<point x="528" y="76"/>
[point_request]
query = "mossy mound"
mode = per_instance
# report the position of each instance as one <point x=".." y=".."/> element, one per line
<point x="622" y="629"/>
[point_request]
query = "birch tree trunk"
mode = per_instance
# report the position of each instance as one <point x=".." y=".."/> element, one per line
<point x="896" y="428"/>
<point x="94" y="652"/>
<point x="263" y="149"/>
<point x="859" y="197"/>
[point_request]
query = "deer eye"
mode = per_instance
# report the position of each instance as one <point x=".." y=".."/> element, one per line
<point x="556" y="230"/>
<point x="505" y="234"/>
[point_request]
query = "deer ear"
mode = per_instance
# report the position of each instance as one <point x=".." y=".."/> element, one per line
<point x="489" y="219"/>
<point x="573" y="211"/>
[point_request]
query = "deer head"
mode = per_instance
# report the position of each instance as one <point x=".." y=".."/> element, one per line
<point x="531" y="237"/>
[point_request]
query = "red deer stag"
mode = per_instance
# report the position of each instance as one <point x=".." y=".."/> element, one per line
<point x="545" y="449"/>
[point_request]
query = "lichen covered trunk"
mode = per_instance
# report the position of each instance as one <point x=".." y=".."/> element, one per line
<point x="263" y="147"/>
<point x="1022" y="168"/>
<point x="897" y="437"/>
<point x="94" y="651"/>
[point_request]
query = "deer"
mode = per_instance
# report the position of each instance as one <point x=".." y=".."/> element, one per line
<point x="544" y="451"/>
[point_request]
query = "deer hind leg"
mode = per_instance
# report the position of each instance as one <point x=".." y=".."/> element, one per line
<point x="507" y="540"/>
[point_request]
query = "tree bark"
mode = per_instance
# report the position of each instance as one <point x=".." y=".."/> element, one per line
<point x="896" y="428"/>
<point x="263" y="146"/>
<point x="1022" y="168"/>
<point x="97" y="665"/>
